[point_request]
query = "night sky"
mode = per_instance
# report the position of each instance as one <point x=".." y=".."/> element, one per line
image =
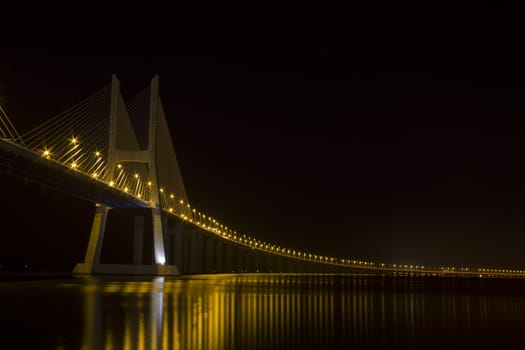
<point x="392" y="136"/>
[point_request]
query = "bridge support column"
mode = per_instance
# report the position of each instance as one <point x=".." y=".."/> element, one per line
<point x="186" y="251"/>
<point x="284" y="265"/>
<point x="270" y="263"/>
<point x="219" y="257"/>
<point x="230" y="259"/>
<point x="158" y="237"/>
<point x="209" y="256"/>
<point x="248" y="261"/>
<point x="266" y="265"/>
<point x="240" y="262"/>
<point x="166" y="239"/>
<point x="96" y="237"/>
<point x="196" y="248"/>
<point x="138" y="240"/>
<point x="178" y="245"/>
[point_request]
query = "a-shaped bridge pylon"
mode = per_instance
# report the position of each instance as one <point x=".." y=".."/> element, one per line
<point x="160" y="178"/>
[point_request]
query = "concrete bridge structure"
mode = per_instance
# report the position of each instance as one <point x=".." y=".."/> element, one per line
<point x="120" y="156"/>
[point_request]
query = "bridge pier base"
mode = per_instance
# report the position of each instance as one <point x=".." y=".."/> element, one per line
<point x="96" y="237"/>
<point x="92" y="265"/>
<point x="127" y="269"/>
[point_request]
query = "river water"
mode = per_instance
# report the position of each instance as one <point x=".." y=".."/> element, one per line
<point x="261" y="311"/>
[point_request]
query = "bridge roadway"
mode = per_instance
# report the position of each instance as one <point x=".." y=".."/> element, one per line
<point x="19" y="161"/>
<point x="191" y="248"/>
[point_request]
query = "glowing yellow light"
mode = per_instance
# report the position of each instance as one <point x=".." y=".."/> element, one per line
<point x="97" y="153"/>
<point x="119" y="166"/>
<point x="139" y="195"/>
<point x="170" y="210"/>
<point x="181" y="201"/>
<point x="172" y="196"/>
<point x="111" y="183"/>
<point x="74" y="140"/>
<point x="46" y="153"/>
<point x="194" y="210"/>
<point x="161" y="190"/>
<point x="149" y="183"/>
<point x="136" y="176"/>
<point x="95" y="175"/>
<point x="126" y="189"/>
<point x="74" y="165"/>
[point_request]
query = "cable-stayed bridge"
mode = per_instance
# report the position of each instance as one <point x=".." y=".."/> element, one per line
<point x="120" y="156"/>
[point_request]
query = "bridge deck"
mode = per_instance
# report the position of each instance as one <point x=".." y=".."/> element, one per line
<point x="18" y="161"/>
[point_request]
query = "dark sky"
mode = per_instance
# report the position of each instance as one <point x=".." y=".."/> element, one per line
<point x="392" y="135"/>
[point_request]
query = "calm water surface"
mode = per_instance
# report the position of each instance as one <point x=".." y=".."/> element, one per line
<point x="261" y="311"/>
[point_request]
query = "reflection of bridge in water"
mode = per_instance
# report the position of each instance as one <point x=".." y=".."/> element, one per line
<point x="262" y="311"/>
<point x="120" y="156"/>
<point x="283" y="311"/>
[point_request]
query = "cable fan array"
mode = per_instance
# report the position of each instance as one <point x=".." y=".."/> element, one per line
<point x="7" y="129"/>
<point x="77" y="138"/>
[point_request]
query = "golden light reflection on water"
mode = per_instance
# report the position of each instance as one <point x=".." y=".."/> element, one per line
<point x="289" y="312"/>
